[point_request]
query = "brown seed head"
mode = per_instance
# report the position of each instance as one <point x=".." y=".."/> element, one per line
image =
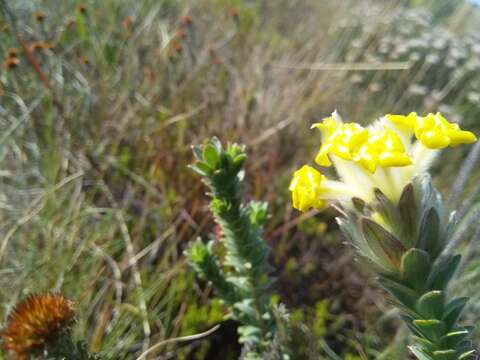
<point x="82" y="8"/>
<point x="37" y="46"/>
<point x="12" y="52"/>
<point x="128" y="21"/>
<point x="232" y="12"/>
<point x="186" y="20"/>
<point x="11" y="63"/>
<point x="39" y="16"/>
<point x="84" y="60"/>
<point x="36" y="322"/>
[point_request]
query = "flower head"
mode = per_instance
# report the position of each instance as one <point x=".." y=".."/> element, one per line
<point x="35" y="322"/>
<point x="305" y="187"/>
<point x="386" y="155"/>
<point x="433" y="131"/>
<point x="368" y="147"/>
<point x="310" y="189"/>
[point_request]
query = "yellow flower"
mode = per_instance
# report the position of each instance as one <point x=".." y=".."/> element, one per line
<point x="367" y="147"/>
<point x="306" y="187"/>
<point x="386" y="155"/>
<point x="310" y="189"/>
<point x="433" y="131"/>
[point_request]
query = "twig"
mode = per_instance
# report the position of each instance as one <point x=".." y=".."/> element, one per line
<point x="179" y="339"/>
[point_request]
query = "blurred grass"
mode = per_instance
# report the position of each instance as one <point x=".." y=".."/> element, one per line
<point x="96" y="198"/>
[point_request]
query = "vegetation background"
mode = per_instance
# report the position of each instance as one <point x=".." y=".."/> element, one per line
<point x="100" y="102"/>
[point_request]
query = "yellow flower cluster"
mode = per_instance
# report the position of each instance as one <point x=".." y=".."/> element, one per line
<point x="306" y="187"/>
<point x="387" y="143"/>
<point x="366" y="146"/>
<point x="433" y="131"/>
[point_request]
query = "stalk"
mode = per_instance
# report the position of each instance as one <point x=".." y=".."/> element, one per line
<point x="403" y="243"/>
<point x="242" y="281"/>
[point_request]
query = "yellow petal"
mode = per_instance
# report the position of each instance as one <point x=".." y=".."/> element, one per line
<point x="404" y="123"/>
<point x="322" y="158"/>
<point x="434" y="139"/>
<point x="394" y="159"/>
<point x="461" y="137"/>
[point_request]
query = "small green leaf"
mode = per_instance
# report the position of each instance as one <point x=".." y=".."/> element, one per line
<point x="419" y="353"/>
<point x="403" y="294"/>
<point x="245" y="307"/>
<point x="429" y="235"/>
<point x="445" y="354"/>
<point x="467" y="355"/>
<point x="453" y="310"/>
<point x="197" y="152"/>
<point x="239" y="160"/>
<point x="241" y="282"/>
<point x="432" y="329"/>
<point x="415" y="268"/>
<point x="216" y="143"/>
<point x="408" y="213"/>
<point x="249" y="330"/>
<point x="201" y="168"/>
<point x="430" y="305"/>
<point x="210" y="156"/>
<point x="452" y="339"/>
<point x="425" y="343"/>
<point x="383" y="243"/>
<point x="442" y="272"/>
<point x="386" y="208"/>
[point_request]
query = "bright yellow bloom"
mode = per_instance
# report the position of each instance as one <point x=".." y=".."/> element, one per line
<point x="365" y="146"/>
<point x="433" y="131"/>
<point x="306" y="187"/>
<point x="386" y="155"/>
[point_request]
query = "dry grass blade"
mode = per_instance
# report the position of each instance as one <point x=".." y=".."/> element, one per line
<point x="178" y="339"/>
<point x="347" y="66"/>
<point x="463" y="175"/>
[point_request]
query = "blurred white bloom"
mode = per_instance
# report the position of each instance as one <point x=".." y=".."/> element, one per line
<point x="432" y="58"/>
<point x="416" y="89"/>
<point x="473" y="97"/>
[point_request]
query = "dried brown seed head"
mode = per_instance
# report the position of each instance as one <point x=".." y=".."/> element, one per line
<point x="11" y="63"/>
<point x="12" y="52"/>
<point x="36" y="45"/>
<point x="84" y="60"/>
<point x="36" y="322"/>
<point x="186" y="20"/>
<point x="39" y="16"/>
<point x="128" y="21"/>
<point x="82" y="8"/>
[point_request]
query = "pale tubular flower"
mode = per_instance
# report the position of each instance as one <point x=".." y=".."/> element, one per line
<point x="385" y="155"/>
